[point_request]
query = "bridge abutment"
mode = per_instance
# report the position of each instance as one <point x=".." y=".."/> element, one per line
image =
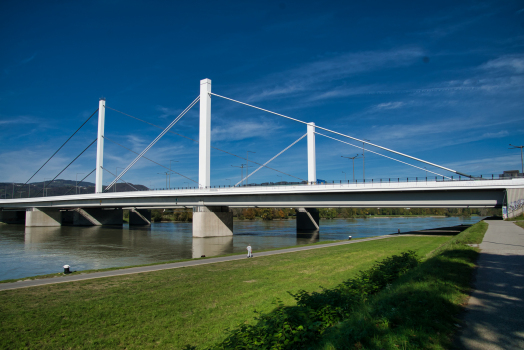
<point x="308" y="220"/>
<point x="40" y="217"/>
<point x="212" y="221"/>
<point x="139" y="217"/>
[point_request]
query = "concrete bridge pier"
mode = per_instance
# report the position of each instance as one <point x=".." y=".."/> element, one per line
<point x="98" y="217"/>
<point x="43" y="217"/>
<point x="139" y="216"/>
<point x="308" y="220"/>
<point x="212" y="221"/>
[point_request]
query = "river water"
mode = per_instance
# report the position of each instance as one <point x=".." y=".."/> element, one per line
<point x="30" y="251"/>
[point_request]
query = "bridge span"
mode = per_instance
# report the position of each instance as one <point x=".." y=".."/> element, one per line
<point x="214" y="203"/>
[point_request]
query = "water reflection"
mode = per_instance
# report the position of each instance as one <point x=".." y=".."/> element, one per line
<point x="29" y="251"/>
<point x="212" y="246"/>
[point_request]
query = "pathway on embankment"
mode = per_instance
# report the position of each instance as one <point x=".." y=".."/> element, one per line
<point x="494" y="317"/>
<point x="126" y="271"/>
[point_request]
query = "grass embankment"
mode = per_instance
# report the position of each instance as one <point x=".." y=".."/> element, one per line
<point x="171" y="308"/>
<point x="420" y="310"/>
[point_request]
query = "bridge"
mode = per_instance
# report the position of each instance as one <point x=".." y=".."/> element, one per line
<point x="211" y="214"/>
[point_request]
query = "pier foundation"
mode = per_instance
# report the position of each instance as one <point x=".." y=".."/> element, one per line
<point x="97" y="217"/>
<point x="212" y="221"/>
<point x="40" y="217"/>
<point x="139" y="216"/>
<point x="308" y="220"/>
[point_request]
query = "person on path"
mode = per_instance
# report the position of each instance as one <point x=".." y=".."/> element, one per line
<point x="249" y="255"/>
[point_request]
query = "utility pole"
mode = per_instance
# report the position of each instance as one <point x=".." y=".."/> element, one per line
<point x="353" y="159"/>
<point x="364" y="160"/>
<point x="76" y="180"/>
<point x="176" y="161"/>
<point x="167" y="173"/>
<point x="521" y="159"/>
<point x="241" y="170"/>
<point x="247" y="166"/>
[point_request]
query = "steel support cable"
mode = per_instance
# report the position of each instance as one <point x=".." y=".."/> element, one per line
<point x="189" y="138"/>
<point x="105" y="138"/>
<point x="414" y="166"/>
<point x="81" y="180"/>
<point x="85" y="149"/>
<point x="62" y="146"/>
<point x="285" y="149"/>
<point x="153" y="143"/>
<point x="340" y="134"/>
<point x="127" y="183"/>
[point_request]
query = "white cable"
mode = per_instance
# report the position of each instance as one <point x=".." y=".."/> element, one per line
<point x="340" y="134"/>
<point x="414" y="166"/>
<point x="263" y="165"/>
<point x="153" y="143"/>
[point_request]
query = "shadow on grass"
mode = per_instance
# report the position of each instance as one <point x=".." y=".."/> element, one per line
<point x="417" y="311"/>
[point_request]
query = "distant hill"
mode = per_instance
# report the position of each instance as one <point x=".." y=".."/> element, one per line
<point x="59" y="187"/>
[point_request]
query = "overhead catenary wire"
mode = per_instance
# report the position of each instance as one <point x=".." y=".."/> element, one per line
<point x="382" y="155"/>
<point x="127" y="183"/>
<point x="85" y="177"/>
<point x="189" y="138"/>
<point x="70" y="137"/>
<point x="105" y="138"/>
<point x="154" y="142"/>
<point x="85" y="149"/>
<point x="344" y="135"/>
<point x="285" y="149"/>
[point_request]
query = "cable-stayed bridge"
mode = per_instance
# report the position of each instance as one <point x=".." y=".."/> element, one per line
<point x="211" y="214"/>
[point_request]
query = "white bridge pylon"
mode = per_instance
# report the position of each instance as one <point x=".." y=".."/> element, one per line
<point x="204" y="159"/>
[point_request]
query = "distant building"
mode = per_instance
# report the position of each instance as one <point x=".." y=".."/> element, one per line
<point x="510" y="174"/>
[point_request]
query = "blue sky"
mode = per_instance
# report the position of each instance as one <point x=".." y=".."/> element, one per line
<point x="441" y="81"/>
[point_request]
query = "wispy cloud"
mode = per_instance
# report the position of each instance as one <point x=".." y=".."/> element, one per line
<point x="244" y="130"/>
<point x="507" y="63"/>
<point x="319" y="74"/>
<point x="7" y="70"/>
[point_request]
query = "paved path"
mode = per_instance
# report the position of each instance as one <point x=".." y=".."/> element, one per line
<point x="494" y="317"/>
<point x="194" y="262"/>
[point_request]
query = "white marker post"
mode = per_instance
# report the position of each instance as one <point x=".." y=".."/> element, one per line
<point x="311" y="155"/>
<point x="204" y="149"/>
<point x="100" y="145"/>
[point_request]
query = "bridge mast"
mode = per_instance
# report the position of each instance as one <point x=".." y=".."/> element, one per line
<point x="100" y="145"/>
<point x="311" y="155"/>
<point x="204" y="149"/>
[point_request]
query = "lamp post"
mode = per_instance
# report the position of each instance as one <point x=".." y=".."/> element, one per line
<point x="76" y="182"/>
<point x="353" y="159"/>
<point x="280" y="176"/>
<point x="521" y="161"/>
<point x="187" y="184"/>
<point x="229" y="182"/>
<point x="176" y="161"/>
<point x="241" y="170"/>
<point x="247" y="166"/>
<point x="344" y="176"/>
<point x="167" y="173"/>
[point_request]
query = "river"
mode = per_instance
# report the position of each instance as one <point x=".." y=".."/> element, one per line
<point x="31" y="251"/>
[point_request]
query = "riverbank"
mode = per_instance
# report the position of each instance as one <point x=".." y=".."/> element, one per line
<point x="171" y="308"/>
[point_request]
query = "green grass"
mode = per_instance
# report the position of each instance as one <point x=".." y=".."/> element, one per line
<point x="171" y="308"/>
<point x="421" y="309"/>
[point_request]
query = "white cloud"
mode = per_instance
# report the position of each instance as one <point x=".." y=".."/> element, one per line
<point x="508" y="63"/>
